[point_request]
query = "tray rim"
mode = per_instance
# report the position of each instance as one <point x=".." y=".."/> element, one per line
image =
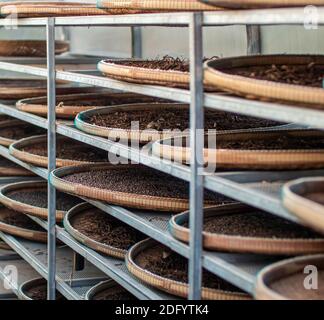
<point x="155" y="203"/>
<point x="142" y="274"/>
<point x="243" y="244"/>
<point x="87" y="241"/>
<point x="263" y="292"/>
<point x="23" y="207"/>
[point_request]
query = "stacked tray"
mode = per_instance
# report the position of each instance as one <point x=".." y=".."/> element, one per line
<point x="242" y="229"/>
<point x="157" y="121"/>
<point x="56" y="9"/>
<point x="292" y="79"/>
<point x="292" y="279"/>
<point x="305" y="199"/>
<point x="18" y="224"/>
<point x="126" y="185"/>
<point x="9" y="168"/>
<point x="13" y="130"/>
<point x="36" y="289"/>
<point x="156" y="5"/>
<point x="15" y="89"/>
<point x="159" y="267"/>
<point x="170" y="72"/>
<point x="262" y="149"/>
<point x="30" y="197"/>
<point x="68" y="106"/>
<point x="99" y="231"/>
<point x="68" y="151"/>
<point x="29" y="48"/>
<point x="108" y="290"/>
<point x="243" y="4"/>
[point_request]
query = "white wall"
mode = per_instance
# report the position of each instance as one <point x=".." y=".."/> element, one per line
<point x="220" y="41"/>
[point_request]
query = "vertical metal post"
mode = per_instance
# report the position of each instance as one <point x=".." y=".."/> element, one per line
<point x="196" y="144"/>
<point x="51" y="149"/>
<point x="253" y="34"/>
<point x="78" y="262"/>
<point x="136" y="42"/>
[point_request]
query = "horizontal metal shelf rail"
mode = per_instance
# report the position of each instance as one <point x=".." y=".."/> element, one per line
<point x="241" y="270"/>
<point x="242" y="187"/>
<point x="237" y="185"/>
<point x="32" y="253"/>
<point x="273" y="111"/>
<point x="291" y="16"/>
<point x="114" y="268"/>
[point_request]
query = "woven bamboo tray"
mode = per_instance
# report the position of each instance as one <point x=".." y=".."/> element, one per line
<point x="159" y="5"/>
<point x="16" y="150"/>
<point x="138" y="201"/>
<point x="177" y="288"/>
<point x="243" y="244"/>
<point x="294" y="199"/>
<point x="24" y="207"/>
<point x="141" y="136"/>
<point x="14" y="171"/>
<point x="169" y="78"/>
<point x="68" y="106"/>
<point x="30" y="48"/>
<point x="242" y="4"/>
<point x="172" y="149"/>
<point x="11" y="124"/>
<point x="24" y="287"/>
<point x="15" y="89"/>
<point x="28" y="234"/>
<point x="57" y="9"/>
<point x="262" y="89"/>
<point x="284" y="280"/>
<point x="103" y="286"/>
<point x="93" y="244"/>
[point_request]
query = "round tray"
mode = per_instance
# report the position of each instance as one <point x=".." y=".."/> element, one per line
<point x="248" y="159"/>
<point x="68" y="106"/>
<point x="102" y="286"/>
<point x="171" y="286"/>
<point x="237" y="4"/>
<point x="93" y="244"/>
<point x="141" y="136"/>
<point x="33" y="235"/>
<point x="310" y="212"/>
<point x="13" y="171"/>
<point x="139" y="201"/>
<point x="14" y="124"/>
<point x="243" y="244"/>
<point x="264" y="89"/>
<point x="170" y="5"/>
<point x="24" y="207"/>
<point x="123" y="72"/>
<point x="15" y="89"/>
<point x="15" y="150"/>
<point x="27" y="285"/>
<point x="29" y="48"/>
<point x="268" y="288"/>
<point x="57" y="9"/>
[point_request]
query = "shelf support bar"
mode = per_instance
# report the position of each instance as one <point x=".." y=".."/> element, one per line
<point x="137" y="50"/>
<point x="51" y="150"/>
<point x="254" y="44"/>
<point x="196" y="144"/>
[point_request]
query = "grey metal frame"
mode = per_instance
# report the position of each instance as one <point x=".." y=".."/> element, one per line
<point x="51" y="145"/>
<point x="242" y="186"/>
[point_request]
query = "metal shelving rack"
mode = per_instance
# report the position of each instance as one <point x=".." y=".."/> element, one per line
<point x="247" y="187"/>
